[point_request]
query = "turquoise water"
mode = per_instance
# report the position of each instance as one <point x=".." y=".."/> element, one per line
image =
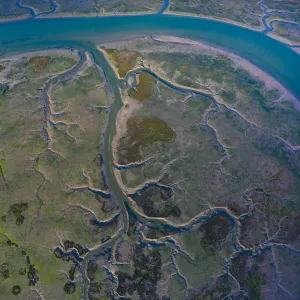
<point x="270" y="55"/>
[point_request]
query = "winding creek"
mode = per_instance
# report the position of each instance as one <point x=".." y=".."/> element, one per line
<point x="32" y="11"/>
<point x="165" y="5"/>
<point x="86" y="33"/>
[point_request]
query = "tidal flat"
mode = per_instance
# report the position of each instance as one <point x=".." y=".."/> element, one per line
<point x="230" y="172"/>
<point x="206" y="156"/>
<point x="52" y="116"/>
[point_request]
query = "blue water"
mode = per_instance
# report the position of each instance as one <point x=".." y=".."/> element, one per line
<point x="270" y="55"/>
<point x="164" y="7"/>
<point x="32" y="12"/>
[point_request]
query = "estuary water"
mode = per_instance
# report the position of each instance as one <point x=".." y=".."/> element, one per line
<point x="268" y="54"/>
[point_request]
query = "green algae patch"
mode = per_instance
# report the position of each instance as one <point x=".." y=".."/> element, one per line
<point x="124" y="60"/>
<point x="254" y="284"/>
<point x="2" y="168"/>
<point x="143" y="132"/>
<point x="39" y="63"/>
<point x="144" y="88"/>
<point x="149" y="131"/>
<point x="1" y="68"/>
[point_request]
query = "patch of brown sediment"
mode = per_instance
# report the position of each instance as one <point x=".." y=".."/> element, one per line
<point x="201" y="48"/>
<point x="128" y="110"/>
<point x="39" y="63"/>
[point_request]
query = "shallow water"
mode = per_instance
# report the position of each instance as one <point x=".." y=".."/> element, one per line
<point x="270" y="55"/>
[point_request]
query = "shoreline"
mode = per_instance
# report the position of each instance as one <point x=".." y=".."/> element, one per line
<point x="105" y="54"/>
<point x="217" y="19"/>
<point x="54" y="15"/>
<point x="254" y="70"/>
<point x="15" y="19"/>
<point x="93" y="15"/>
<point x="260" y="28"/>
<point x="283" y="40"/>
<point x="56" y="51"/>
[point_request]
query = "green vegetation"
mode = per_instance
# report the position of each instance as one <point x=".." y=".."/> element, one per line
<point x="254" y="284"/>
<point x="143" y="90"/>
<point x="226" y="156"/>
<point x="69" y="288"/>
<point x="38" y="6"/>
<point x="9" y="9"/>
<point x="104" y="7"/>
<point x="38" y="202"/>
<point x="223" y="168"/>
<point x="17" y="209"/>
<point x="157" y="202"/>
<point x="217" y="288"/>
<point x="235" y="85"/>
<point x="76" y="133"/>
<point x="288" y="263"/>
<point x="287" y="31"/>
<point x="215" y="233"/>
<point x="100" y="285"/>
<point x="176" y="288"/>
<point x="147" y="273"/>
<point x="143" y="132"/>
<point x="148" y="131"/>
<point x="235" y="10"/>
<point x="16" y="290"/>
<point x="123" y="60"/>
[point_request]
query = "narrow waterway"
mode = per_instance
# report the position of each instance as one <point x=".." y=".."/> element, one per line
<point x="32" y="12"/>
<point x="164" y="7"/>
